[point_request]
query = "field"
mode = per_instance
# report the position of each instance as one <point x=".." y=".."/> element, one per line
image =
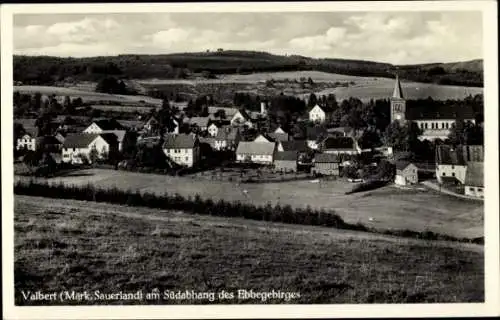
<point x="81" y="246"/>
<point x="385" y="208"/>
<point x="364" y="88"/>
<point x="88" y="96"/>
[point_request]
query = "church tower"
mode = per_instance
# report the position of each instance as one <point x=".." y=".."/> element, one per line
<point x="398" y="103"/>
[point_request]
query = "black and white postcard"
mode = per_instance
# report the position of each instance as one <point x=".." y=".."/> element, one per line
<point x="244" y="160"/>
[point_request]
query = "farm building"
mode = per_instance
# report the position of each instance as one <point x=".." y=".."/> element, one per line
<point x="474" y="179"/>
<point x="293" y="145"/>
<point x="326" y="164"/>
<point x="256" y="152"/>
<point x="286" y="161"/>
<point x="77" y="147"/>
<point x="26" y="141"/>
<point x="183" y="149"/>
<point x="340" y="145"/>
<point x="263" y="138"/>
<point x="320" y="114"/>
<point x="279" y="135"/>
<point x="406" y="173"/>
<point x="452" y="161"/>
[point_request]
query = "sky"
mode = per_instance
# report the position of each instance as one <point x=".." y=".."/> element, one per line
<point x="392" y="37"/>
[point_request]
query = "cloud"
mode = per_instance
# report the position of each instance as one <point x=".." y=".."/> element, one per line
<point x="394" y="37"/>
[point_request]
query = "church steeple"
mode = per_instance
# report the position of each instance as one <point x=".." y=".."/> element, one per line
<point x="398" y="92"/>
<point x="398" y="103"/>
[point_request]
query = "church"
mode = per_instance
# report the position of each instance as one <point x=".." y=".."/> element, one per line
<point x="435" y="122"/>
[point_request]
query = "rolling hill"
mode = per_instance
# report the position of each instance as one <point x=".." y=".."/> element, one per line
<point x="44" y="70"/>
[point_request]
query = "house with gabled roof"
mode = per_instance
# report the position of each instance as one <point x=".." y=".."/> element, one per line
<point x="286" y="161"/>
<point x="199" y="122"/>
<point x="255" y="152"/>
<point x="263" y="137"/>
<point x="406" y="173"/>
<point x="451" y="161"/>
<point x="27" y="141"/>
<point x="98" y="126"/>
<point x="474" y="179"/>
<point x="279" y="135"/>
<point x="340" y="145"/>
<point x="227" y="138"/>
<point x="183" y="149"/>
<point x="76" y="148"/>
<point x="326" y="164"/>
<point x="320" y="114"/>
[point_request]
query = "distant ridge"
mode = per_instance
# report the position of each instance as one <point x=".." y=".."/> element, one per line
<point x="44" y="70"/>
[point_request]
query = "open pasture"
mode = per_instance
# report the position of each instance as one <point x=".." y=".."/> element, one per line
<point x="385" y="208"/>
<point x="88" y="96"/>
<point x="86" y="246"/>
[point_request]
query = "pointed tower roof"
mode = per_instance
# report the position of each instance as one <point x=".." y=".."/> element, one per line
<point x="398" y="92"/>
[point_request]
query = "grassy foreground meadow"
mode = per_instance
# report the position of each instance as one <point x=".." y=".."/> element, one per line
<point x="385" y="208"/>
<point x="85" y="246"/>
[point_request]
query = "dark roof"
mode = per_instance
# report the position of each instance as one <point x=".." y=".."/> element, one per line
<point x="79" y="140"/>
<point x="47" y="140"/>
<point x="227" y="133"/>
<point x="256" y="148"/>
<point x="267" y="136"/>
<point x="339" y="143"/>
<point x="296" y="145"/>
<point x="326" y="158"/>
<point x="459" y="155"/>
<point x="181" y="141"/>
<point x="475" y="174"/>
<point x="109" y="137"/>
<point x="449" y="112"/>
<point x="313" y="133"/>
<point x="286" y="155"/>
<point x="401" y="165"/>
<point x="199" y="121"/>
<point x="108" y="124"/>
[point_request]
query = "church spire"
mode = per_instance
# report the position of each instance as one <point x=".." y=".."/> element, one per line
<point x="398" y="92"/>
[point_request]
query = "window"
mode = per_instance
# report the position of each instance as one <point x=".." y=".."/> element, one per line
<point x="447" y="125"/>
<point x="452" y="167"/>
<point x="187" y="158"/>
<point x="444" y="174"/>
<point x="453" y="174"/>
<point x="426" y="126"/>
<point x="471" y="189"/>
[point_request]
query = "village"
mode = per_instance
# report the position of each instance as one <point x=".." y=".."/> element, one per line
<point x="239" y="141"/>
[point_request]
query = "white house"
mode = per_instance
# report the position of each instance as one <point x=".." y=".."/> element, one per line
<point x="27" y="141"/>
<point x="77" y="147"/>
<point x="452" y="161"/>
<point x="183" y="149"/>
<point x="406" y="173"/>
<point x="474" y="179"/>
<point x="256" y="152"/>
<point x="320" y="114"/>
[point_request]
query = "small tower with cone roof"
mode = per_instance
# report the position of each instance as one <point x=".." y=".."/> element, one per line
<point x="398" y="103"/>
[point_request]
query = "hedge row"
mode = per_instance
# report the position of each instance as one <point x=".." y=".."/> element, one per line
<point x="197" y="205"/>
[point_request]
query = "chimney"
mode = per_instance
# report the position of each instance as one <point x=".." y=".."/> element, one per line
<point x="263" y="107"/>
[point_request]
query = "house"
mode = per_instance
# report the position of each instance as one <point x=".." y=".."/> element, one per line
<point x="257" y="152"/>
<point x="326" y="164"/>
<point x="452" y="161"/>
<point x="200" y="122"/>
<point x="435" y="122"/>
<point x="183" y="149"/>
<point x="213" y="129"/>
<point x="98" y="126"/>
<point x="152" y="126"/>
<point x="26" y="141"/>
<point x="320" y="114"/>
<point x="227" y="139"/>
<point x="474" y="179"/>
<point x="76" y="148"/>
<point x="293" y="145"/>
<point x="241" y="118"/>
<point x="315" y="135"/>
<point x="406" y="173"/>
<point x="279" y="135"/>
<point x="286" y="161"/>
<point x="340" y="145"/>
<point x="61" y="135"/>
